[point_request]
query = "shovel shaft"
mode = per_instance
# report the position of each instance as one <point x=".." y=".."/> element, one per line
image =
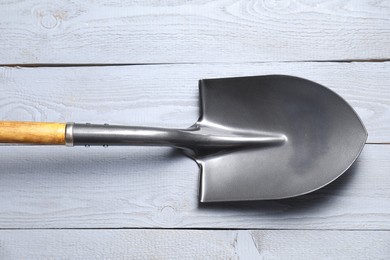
<point x="192" y="138"/>
<point x="109" y="135"/>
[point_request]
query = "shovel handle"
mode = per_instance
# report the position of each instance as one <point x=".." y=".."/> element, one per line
<point x="32" y="133"/>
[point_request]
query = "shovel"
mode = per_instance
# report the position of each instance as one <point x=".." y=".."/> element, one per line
<point x="258" y="138"/>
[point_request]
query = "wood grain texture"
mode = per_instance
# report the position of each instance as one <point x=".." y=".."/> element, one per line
<point x="193" y="244"/>
<point x="60" y="187"/>
<point x="97" y="32"/>
<point x="167" y="95"/>
<point x="32" y="133"/>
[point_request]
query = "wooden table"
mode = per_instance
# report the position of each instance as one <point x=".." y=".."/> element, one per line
<point x="138" y="63"/>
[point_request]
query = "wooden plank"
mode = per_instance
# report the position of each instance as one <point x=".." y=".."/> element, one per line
<point x="190" y="244"/>
<point x="174" y="31"/>
<point x="43" y="187"/>
<point x="310" y="244"/>
<point x="59" y="187"/>
<point x="167" y="95"/>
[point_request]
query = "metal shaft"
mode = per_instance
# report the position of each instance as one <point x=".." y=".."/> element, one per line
<point x="192" y="138"/>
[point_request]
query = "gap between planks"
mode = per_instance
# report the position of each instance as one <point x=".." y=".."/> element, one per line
<point x="200" y="229"/>
<point x="60" y="65"/>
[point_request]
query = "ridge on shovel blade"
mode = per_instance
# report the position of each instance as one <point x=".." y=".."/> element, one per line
<point x="314" y="136"/>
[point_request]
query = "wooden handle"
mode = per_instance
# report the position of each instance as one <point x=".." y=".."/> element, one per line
<point x="32" y="133"/>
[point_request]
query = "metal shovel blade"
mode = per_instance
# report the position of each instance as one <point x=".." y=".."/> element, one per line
<point x="315" y="136"/>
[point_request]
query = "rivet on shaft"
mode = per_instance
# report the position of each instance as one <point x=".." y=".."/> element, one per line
<point x="105" y="145"/>
<point x="87" y="145"/>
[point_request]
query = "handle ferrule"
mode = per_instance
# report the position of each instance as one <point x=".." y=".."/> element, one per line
<point x="69" y="134"/>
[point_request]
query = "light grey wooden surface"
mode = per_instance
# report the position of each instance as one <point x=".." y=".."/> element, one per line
<point x="156" y="188"/>
<point x="115" y="31"/>
<point x="121" y="203"/>
<point x="193" y="244"/>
